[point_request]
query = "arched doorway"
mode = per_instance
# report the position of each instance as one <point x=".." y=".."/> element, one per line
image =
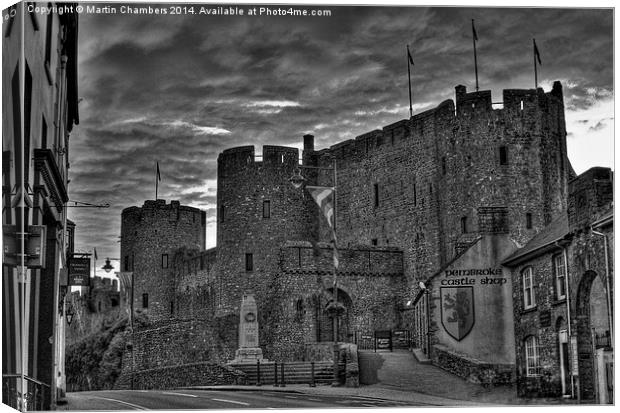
<point x="324" y="320"/>
<point x="593" y="338"/>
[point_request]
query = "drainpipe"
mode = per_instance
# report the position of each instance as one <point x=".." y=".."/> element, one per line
<point x="568" y="316"/>
<point x="607" y="287"/>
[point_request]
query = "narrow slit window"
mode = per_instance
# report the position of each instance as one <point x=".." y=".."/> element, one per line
<point x="249" y="262"/>
<point x="266" y="209"/>
<point x="503" y="155"/>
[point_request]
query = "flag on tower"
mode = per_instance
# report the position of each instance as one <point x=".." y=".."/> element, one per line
<point x="537" y="53"/>
<point x="95" y="251"/>
<point x="158" y="174"/>
<point x="473" y="30"/>
<point x="410" y="58"/>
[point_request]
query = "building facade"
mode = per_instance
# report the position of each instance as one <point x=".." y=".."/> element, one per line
<point x="39" y="77"/>
<point x="563" y="298"/>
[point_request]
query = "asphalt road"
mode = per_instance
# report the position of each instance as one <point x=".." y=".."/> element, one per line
<point x="215" y="399"/>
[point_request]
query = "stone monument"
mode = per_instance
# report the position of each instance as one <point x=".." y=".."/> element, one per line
<point x="249" y="350"/>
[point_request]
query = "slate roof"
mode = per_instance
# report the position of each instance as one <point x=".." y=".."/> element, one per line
<point x="553" y="232"/>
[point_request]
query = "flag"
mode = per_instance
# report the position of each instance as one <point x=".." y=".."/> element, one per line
<point x="537" y="53"/>
<point x="158" y="175"/>
<point x="95" y="250"/>
<point x="409" y="55"/>
<point x="324" y="198"/>
<point x="473" y="30"/>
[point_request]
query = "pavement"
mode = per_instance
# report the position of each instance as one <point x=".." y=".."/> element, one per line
<point x="401" y="378"/>
<point x="405" y="379"/>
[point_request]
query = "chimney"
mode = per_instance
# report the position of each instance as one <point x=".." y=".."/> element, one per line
<point x="308" y="143"/>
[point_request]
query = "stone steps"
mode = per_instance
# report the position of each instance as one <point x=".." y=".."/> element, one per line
<point x="294" y="372"/>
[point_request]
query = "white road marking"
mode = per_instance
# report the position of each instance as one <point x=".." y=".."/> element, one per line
<point x="135" y="406"/>
<point x="179" y="394"/>
<point x="231" y="401"/>
<point x="291" y="397"/>
<point x="314" y="400"/>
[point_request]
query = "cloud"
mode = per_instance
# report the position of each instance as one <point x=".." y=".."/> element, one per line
<point x="179" y="90"/>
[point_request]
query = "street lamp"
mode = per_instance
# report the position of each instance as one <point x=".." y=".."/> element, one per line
<point x="107" y="267"/>
<point x="334" y="308"/>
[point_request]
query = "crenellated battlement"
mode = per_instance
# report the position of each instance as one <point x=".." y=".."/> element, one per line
<point x="243" y="158"/>
<point x="159" y="209"/>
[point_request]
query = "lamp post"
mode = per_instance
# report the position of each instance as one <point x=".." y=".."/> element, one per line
<point x="334" y="307"/>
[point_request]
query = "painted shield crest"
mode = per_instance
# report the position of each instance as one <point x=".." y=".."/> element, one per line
<point x="457" y="311"/>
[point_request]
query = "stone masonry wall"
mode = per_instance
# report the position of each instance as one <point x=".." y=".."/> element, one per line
<point x="411" y="184"/>
<point x="147" y="234"/>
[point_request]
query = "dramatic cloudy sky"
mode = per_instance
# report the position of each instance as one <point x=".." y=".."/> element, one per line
<point x="180" y="89"/>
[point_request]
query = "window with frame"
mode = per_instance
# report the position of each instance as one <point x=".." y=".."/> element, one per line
<point x="464" y="228"/>
<point x="164" y="260"/>
<point x="529" y="298"/>
<point x="249" y="262"/>
<point x="560" y="276"/>
<point x="266" y="209"/>
<point x="528" y="220"/>
<point x="532" y="357"/>
<point x="145" y="300"/>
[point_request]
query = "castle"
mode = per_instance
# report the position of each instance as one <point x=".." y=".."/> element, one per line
<point x="427" y="209"/>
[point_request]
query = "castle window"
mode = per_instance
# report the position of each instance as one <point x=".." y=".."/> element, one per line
<point x="528" y="220"/>
<point x="222" y="213"/>
<point x="164" y="260"/>
<point x="443" y="165"/>
<point x="171" y="307"/>
<point x="503" y="155"/>
<point x="532" y="357"/>
<point x="529" y="297"/>
<point x="249" y="262"/>
<point x="415" y="195"/>
<point x="560" y="276"/>
<point x="266" y="209"/>
<point x="430" y="188"/>
<point x="99" y="306"/>
<point x="521" y="105"/>
<point x="374" y="241"/>
<point x="145" y="300"/>
<point x="126" y="263"/>
<point x="376" y="193"/>
<point x="464" y="228"/>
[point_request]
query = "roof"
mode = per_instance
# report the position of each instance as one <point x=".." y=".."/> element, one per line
<point x="604" y="220"/>
<point x="552" y="233"/>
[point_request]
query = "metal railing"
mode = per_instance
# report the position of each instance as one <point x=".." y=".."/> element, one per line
<point x="34" y="399"/>
<point x="603" y="340"/>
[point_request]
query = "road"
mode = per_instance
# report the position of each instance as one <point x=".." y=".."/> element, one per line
<point x="217" y="400"/>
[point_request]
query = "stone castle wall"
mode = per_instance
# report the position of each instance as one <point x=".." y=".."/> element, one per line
<point x="150" y="237"/>
<point x="411" y="184"/>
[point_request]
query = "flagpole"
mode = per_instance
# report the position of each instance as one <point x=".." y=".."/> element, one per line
<point x="475" y="55"/>
<point x="409" y="74"/>
<point x="535" y="65"/>
<point x="156" y="181"/>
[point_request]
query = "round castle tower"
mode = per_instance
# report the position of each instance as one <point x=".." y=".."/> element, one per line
<point x="150" y="236"/>
<point x="258" y="209"/>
